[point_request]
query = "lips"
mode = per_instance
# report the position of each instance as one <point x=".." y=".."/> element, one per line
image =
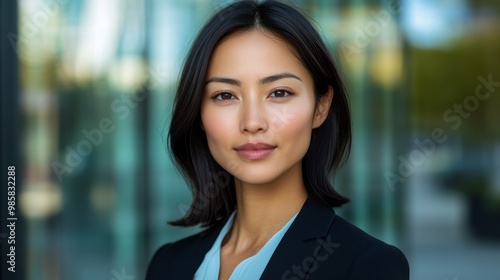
<point x="255" y="146"/>
<point x="254" y="151"/>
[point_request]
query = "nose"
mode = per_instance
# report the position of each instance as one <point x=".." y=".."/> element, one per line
<point x="253" y="116"/>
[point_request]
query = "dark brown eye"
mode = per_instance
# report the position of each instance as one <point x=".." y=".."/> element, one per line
<point x="223" y="96"/>
<point x="281" y="93"/>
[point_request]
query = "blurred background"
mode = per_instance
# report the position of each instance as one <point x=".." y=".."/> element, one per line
<point x="87" y="90"/>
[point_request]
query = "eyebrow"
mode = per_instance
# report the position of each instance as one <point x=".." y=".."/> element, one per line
<point x="265" y="80"/>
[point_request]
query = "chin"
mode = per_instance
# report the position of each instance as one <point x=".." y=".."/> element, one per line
<point x="256" y="178"/>
<point x="250" y="178"/>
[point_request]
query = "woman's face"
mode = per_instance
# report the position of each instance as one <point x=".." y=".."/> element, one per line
<point x="258" y="91"/>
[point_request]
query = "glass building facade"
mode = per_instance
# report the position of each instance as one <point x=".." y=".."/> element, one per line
<point x="94" y="83"/>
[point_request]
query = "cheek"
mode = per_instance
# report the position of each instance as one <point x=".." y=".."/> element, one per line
<point x="293" y="121"/>
<point x="217" y="126"/>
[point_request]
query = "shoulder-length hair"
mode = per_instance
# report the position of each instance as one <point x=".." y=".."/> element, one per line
<point x="212" y="186"/>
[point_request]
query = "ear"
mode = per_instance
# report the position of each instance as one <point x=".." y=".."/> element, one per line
<point x="322" y="108"/>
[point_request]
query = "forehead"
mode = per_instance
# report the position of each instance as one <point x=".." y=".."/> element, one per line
<point x="254" y="52"/>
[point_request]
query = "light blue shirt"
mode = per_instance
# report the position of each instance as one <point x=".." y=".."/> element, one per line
<point x="250" y="268"/>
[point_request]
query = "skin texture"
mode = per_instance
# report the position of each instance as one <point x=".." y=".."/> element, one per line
<point x="248" y="108"/>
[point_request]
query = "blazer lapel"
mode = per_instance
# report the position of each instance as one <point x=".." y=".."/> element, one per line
<point x="296" y="254"/>
<point x="191" y="259"/>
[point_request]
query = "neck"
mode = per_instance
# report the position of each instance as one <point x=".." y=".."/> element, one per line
<point x="262" y="210"/>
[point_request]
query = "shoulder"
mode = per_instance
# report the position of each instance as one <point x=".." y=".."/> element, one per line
<point x="365" y="256"/>
<point x="170" y="250"/>
<point x="182" y="256"/>
<point x="163" y="258"/>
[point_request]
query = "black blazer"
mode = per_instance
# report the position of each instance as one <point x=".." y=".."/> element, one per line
<point x="318" y="245"/>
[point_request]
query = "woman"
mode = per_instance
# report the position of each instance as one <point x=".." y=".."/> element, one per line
<point x="260" y="123"/>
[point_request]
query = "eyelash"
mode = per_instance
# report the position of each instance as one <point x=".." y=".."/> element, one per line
<point x="217" y="94"/>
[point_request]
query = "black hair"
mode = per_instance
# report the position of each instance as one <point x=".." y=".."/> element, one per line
<point x="212" y="186"/>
